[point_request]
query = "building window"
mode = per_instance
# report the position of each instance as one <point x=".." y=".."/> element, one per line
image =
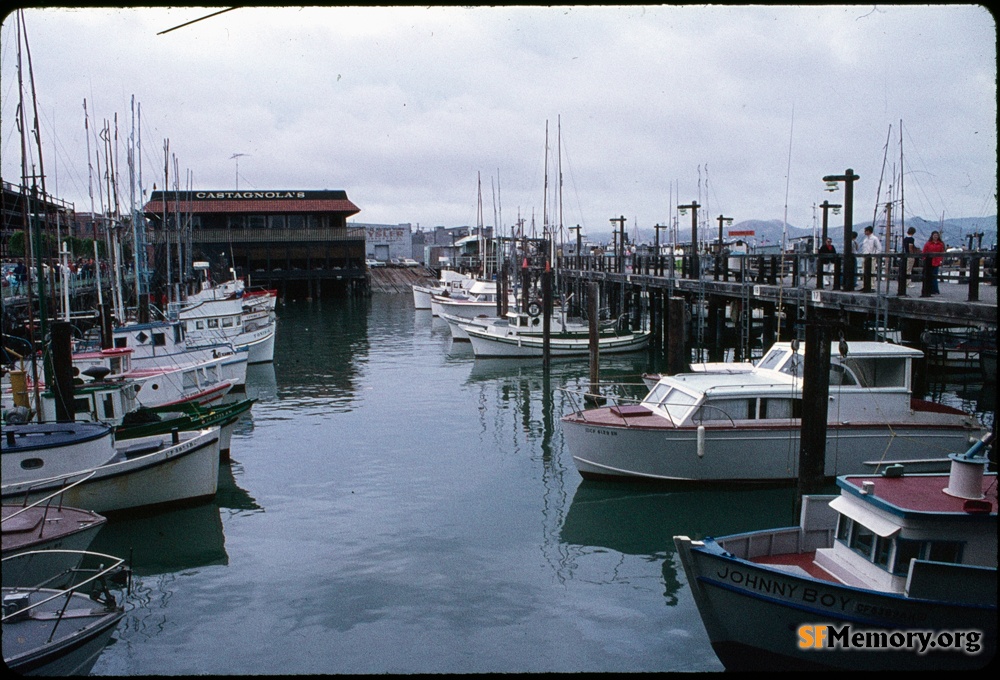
<point x="257" y="222"/>
<point x="275" y="221"/>
<point x="237" y="222"/>
<point x="296" y="222"/>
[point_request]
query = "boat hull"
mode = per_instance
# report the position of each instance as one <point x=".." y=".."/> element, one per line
<point x="765" y="454"/>
<point x="184" y="472"/>
<point x="754" y="616"/>
<point x="486" y="345"/>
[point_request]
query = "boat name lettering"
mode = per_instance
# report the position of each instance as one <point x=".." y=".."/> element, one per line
<point x="597" y="430"/>
<point x="771" y="586"/>
<point x="249" y="194"/>
<point x="889" y="613"/>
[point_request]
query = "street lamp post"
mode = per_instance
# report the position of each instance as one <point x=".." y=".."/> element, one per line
<point x="718" y="255"/>
<point x="848" y="178"/>
<point x="693" y="207"/>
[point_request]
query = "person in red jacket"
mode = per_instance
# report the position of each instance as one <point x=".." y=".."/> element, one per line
<point x="934" y="245"/>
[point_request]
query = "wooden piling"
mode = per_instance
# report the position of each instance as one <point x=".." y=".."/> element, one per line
<point x="815" y="396"/>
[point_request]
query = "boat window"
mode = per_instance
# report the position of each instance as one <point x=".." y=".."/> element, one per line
<point x="772" y="359"/>
<point x="178" y="334"/>
<point x="794" y="365"/>
<point x="862" y="540"/>
<point x="81" y="405"/>
<point x="945" y="551"/>
<point x="227" y="322"/>
<point x="879" y="372"/>
<point x="31" y="463"/>
<point x="116" y="365"/>
<point x="678" y="404"/>
<point x="159" y="339"/>
<point x="844" y="528"/>
<point x="726" y="409"/>
<point x="109" y="407"/>
<point x="882" y="546"/>
<point x="840" y="375"/>
<point x="213" y="323"/>
<point x="189" y="380"/>
<point x="905" y="551"/>
<point x="780" y="408"/>
<point x="121" y="342"/>
<point x="656" y="395"/>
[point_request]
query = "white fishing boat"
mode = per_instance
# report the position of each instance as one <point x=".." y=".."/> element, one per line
<point x="54" y="449"/>
<point x="897" y="573"/>
<point x="61" y="623"/>
<point x="520" y="322"/>
<point x="745" y="426"/>
<point x="453" y="282"/>
<point x="481" y="299"/>
<point x="162" y="344"/>
<point x="201" y="383"/>
<point x="146" y="471"/>
<point x="506" y="341"/>
<point x="215" y="321"/>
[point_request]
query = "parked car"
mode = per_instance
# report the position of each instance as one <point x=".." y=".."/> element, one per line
<point x="371" y="263"/>
<point x="395" y="262"/>
<point x="410" y="262"/>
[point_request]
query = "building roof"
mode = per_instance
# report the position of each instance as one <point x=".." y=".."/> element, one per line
<point x="245" y="202"/>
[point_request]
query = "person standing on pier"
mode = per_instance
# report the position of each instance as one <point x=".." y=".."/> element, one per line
<point x="870" y="245"/>
<point x="934" y="245"/>
<point x="910" y="248"/>
<point x="827" y="254"/>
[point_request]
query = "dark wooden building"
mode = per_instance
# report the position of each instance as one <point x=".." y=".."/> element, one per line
<point x="285" y="238"/>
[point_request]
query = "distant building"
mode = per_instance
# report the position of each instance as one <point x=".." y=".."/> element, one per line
<point x="386" y="241"/>
<point x="273" y="236"/>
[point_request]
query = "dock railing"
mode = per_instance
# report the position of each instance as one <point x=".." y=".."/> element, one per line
<point x="876" y="273"/>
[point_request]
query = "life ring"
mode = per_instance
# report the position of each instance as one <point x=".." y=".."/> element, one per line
<point x="534" y="308"/>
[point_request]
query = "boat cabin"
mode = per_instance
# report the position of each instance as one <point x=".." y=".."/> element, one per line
<point x="905" y="534"/>
<point x="868" y="384"/>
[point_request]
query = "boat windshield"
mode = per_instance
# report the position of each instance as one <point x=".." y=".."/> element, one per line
<point x="674" y="403"/>
<point x="773" y="359"/>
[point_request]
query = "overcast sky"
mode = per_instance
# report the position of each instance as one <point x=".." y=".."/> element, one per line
<point x="743" y="109"/>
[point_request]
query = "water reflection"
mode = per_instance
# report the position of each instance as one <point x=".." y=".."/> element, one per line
<point x="638" y="520"/>
<point x="166" y="541"/>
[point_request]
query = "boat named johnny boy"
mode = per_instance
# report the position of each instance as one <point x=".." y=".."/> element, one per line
<point x="898" y="572"/>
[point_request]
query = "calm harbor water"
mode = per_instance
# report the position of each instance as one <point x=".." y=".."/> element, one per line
<point x="395" y="506"/>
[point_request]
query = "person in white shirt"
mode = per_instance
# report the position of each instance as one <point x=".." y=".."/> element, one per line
<point x="870" y="245"/>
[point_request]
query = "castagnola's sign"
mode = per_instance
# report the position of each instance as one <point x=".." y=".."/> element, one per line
<point x="336" y="195"/>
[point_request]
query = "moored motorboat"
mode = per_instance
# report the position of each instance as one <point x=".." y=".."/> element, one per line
<point x="497" y="341"/>
<point x="60" y="624"/>
<point x="159" y="470"/>
<point x="53" y="530"/>
<point x="453" y="282"/>
<point x="745" y="426"/>
<point x="897" y="573"/>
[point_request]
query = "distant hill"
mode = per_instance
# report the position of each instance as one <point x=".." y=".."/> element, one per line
<point x="954" y="231"/>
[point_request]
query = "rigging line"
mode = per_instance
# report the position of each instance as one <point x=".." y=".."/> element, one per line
<point x="207" y="16"/>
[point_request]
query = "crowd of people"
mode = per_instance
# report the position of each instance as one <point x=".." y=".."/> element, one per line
<point x="16" y="274"/>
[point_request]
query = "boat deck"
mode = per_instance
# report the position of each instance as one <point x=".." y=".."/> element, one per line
<point x="797" y="561"/>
